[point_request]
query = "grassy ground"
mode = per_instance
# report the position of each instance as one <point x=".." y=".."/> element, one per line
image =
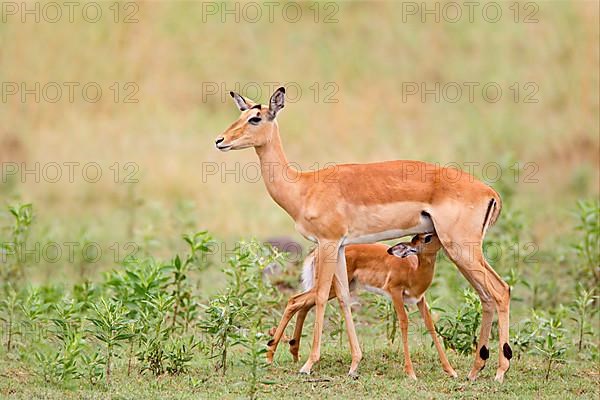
<point x="381" y="377"/>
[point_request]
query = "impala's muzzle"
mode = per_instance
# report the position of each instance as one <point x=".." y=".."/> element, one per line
<point x="219" y="144"/>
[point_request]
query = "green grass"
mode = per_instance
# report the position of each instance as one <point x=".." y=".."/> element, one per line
<point x="381" y="376"/>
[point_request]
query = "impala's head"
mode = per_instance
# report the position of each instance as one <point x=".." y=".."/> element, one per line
<point x="255" y="124"/>
<point x="423" y="243"/>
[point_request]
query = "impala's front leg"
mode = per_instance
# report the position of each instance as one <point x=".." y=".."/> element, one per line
<point x="398" y="299"/>
<point x="342" y="291"/>
<point x="295" y="303"/>
<point x="326" y="262"/>
<point x="295" y="342"/>
<point x="424" y="310"/>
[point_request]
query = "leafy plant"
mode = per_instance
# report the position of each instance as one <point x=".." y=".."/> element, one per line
<point x="93" y="367"/>
<point x="138" y="280"/>
<point x="154" y="332"/>
<point x="109" y="327"/>
<point x="245" y="278"/>
<point x="384" y="311"/>
<point x="35" y="315"/>
<point x="133" y="331"/>
<point x="13" y="251"/>
<point x="336" y="320"/>
<point x="86" y="294"/>
<point x="61" y="364"/>
<point x="587" y="248"/>
<point x="550" y="343"/>
<point x="10" y="306"/>
<point x="255" y="360"/>
<point x="459" y="330"/>
<point x="584" y="311"/>
<point x="179" y="353"/>
<point x="525" y="336"/>
<point x="185" y="307"/>
<point x="245" y="304"/>
<point x="223" y="321"/>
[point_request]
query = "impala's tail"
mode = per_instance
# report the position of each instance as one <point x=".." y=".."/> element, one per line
<point x="308" y="271"/>
<point x="497" y="209"/>
<point x="493" y="212"/>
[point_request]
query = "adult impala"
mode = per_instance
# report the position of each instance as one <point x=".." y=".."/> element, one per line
<point x="364" y="203"/>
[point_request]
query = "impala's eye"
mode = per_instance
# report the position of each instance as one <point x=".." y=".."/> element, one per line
<point x="254" y="120"/>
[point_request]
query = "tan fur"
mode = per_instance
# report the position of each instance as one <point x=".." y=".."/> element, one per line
<point x="401" y="278"/>
<point x="355" y="203"/>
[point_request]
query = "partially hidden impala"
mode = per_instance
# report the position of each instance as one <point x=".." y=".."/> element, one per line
<point x="365" y="203"/>
<point x="404" y="278"/>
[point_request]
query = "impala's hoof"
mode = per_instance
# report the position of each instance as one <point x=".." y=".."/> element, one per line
<point x="295" y="353"/>
<point x="472" y="375"/>
<point x="269" y="357"/>
<point x="305" y="370"/>
<point x="452" y="373"/>
<point x="353" y="374"/>
<point x="499" y="377"/>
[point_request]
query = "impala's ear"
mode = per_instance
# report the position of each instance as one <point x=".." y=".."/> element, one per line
<point x="401" y="250"/>
<point x="277" y="102"/>
<point x="240" y="102"/>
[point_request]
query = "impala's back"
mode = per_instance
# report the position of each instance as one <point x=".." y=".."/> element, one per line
<point x="367" y="264"/>
<point x="406" y="266"/>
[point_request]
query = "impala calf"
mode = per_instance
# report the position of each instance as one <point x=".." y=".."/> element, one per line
<point x="365" y="203"/>
<point x="404" y="278"/>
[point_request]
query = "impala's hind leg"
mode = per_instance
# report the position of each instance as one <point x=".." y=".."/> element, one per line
<point x="493" y="291"/>
<point x="295" y="303"/>
<point x="463" y="244"/>
<point x="482" y="351"/>
<point x="295" y="342"/>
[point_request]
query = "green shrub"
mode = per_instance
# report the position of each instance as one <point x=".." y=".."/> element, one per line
<point x="459" y="329"/>
<point x="587" y="247"/>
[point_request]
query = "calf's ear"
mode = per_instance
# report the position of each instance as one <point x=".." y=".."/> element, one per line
<point x="401" y="250"/>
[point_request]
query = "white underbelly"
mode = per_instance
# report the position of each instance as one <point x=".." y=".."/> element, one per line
<point x="425" y="226"/>
<point x="377" y="290"/>
<point x="408" y="299"/>
<point x="405" y="296"/>
<point x="372" y="224"/>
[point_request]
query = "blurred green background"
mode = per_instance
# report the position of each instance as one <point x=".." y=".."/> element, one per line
<point x="366" y="81"/>
<point x="362" y="55"/>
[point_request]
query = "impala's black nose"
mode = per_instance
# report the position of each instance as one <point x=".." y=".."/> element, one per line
<point x="219" y="140"/>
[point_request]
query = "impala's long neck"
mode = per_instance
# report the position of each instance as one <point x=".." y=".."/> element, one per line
<point x="426" y="267"/>
<point x="282" y="181"/>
